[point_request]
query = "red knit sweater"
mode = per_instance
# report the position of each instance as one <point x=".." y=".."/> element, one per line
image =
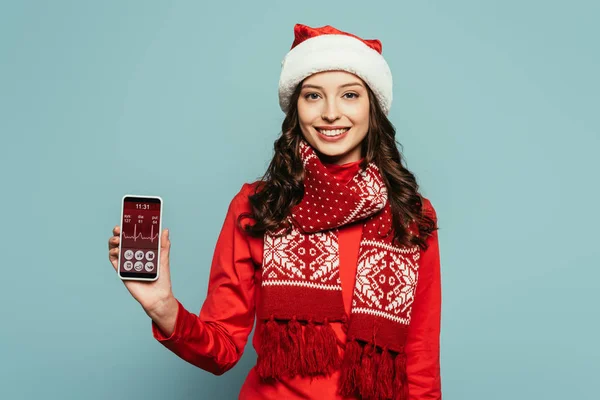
<point x="215" y="339"/>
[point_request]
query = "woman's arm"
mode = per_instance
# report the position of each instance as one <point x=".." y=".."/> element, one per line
<point x="215" y="339"/>
<point x="423" y="342"/>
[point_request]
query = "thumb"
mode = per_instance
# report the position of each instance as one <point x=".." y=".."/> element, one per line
<point x="165" y="243"/>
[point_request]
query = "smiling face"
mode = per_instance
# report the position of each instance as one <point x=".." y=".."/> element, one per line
<point x="333" y="113"/>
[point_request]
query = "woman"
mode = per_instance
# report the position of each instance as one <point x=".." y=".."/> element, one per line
<point x="334" y="252"/>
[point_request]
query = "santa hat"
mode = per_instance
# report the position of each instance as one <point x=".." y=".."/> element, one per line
<point x="326" y="49"/>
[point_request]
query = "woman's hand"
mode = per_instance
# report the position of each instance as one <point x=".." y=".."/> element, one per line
<point x="152" y="295"/>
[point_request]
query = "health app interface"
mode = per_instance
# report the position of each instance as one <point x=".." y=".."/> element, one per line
<point x="140" y="237"/>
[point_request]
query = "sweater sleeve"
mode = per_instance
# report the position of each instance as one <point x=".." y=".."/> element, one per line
<point x="423" y="342"/>
<point x="215" y="339"/>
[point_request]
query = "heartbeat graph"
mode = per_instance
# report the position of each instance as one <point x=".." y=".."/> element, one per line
<point x="140" y="236"/>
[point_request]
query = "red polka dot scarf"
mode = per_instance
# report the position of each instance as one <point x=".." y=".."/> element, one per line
<point x="301" y="291"/>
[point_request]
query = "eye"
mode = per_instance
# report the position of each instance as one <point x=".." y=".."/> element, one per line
<point x="352" y="94"/>
<point x="308" y="96"/>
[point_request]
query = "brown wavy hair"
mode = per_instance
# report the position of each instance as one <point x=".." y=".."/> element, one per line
<point x="281" y="187"/>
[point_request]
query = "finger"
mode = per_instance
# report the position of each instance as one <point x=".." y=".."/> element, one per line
<point x="165" y="250"/>
<point x="113" y="242"/>
<point x="165" y="241"/>
<point x="117" y="230"/>
<point x="114" y="252"/>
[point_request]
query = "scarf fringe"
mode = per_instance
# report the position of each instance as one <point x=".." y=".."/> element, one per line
<point x="296" y="360"/>
<point x="271" y="361"/>
<point x="288" y="351"/>
<point x="366" y="384"/>
<point x="385" y="375"/>
<point x="349" y="379"/>
<point x="314" y="349"/>
<point x="331" y="355"/>
<point x="372" y="373"/>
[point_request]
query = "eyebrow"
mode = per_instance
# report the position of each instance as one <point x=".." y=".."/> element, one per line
<point x="321" y="87"/>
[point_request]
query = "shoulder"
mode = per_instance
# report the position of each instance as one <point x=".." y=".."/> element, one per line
<point x="247" y="190"/>
<point x="428" y="208"/>
<point x="240" y="201"/>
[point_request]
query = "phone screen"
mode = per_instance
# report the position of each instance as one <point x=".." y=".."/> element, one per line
<point x="140" y="233"/>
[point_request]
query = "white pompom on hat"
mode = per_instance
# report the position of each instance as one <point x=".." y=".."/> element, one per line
<point x="328" y="49"/>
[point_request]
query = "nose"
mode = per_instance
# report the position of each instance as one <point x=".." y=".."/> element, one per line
<point x="331" y="112"/>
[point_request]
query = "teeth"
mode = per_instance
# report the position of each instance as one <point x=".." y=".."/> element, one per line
<point x="334" y="132"/>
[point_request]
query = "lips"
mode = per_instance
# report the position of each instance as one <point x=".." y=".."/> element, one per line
<point x="332" y="135"/>
<point x="324" y="128"/>
<point x="332" y="131"/>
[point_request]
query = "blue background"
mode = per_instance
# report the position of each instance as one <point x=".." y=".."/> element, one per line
<point x="496" y="105"/>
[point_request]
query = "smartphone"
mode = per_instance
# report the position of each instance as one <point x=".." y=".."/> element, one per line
<point x="141" y="227"/>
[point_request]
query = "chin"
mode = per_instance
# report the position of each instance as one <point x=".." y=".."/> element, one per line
<point x="334" y="152"/>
